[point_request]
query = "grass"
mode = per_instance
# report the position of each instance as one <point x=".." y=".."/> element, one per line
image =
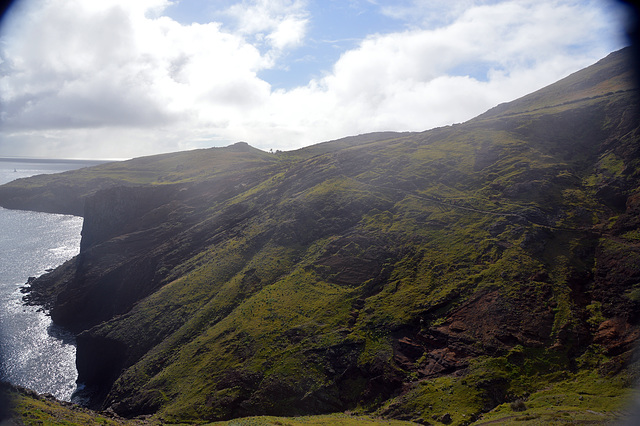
<point x="43" y="412"/>
<point x="534" y="393"/>
<point x="237" y="292"/>
<point x="582" y="398"/>
<point x="333" y="419"/>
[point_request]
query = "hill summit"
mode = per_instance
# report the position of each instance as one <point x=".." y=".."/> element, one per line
<point x="466" y="271"/>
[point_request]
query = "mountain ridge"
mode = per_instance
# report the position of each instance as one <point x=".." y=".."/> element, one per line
<point x="485" y="261"/>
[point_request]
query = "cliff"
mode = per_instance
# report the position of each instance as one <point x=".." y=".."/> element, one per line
<point x="412" y="275"/>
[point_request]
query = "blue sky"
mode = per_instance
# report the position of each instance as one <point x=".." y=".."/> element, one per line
<point x="121" y="78"/>
<point x="333" y="27"/>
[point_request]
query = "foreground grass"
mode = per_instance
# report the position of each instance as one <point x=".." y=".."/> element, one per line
<point x="331" y="419"/>
<point x="583" y="399"/>
<point x="32" y="409"/>
<point x="567" y="416"/>
<point x="48" y="413"/>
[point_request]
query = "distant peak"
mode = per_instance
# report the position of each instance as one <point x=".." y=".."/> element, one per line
<point x="240" y="147"/>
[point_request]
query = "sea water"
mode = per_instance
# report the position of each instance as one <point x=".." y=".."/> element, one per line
<point x="34" y="352"/>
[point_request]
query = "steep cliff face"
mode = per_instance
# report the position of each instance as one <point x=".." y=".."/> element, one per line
<point x="121" y="210"/>
<point x="485" y="261"/>
<point x="54" y="200"/>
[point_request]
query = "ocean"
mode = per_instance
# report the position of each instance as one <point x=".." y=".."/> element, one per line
<point x="35" y="353"/>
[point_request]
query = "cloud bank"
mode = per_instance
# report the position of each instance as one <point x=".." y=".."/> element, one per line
<point x="118" y="79"/>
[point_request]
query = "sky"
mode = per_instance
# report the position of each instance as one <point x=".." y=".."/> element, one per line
<point x="126" y="78"/>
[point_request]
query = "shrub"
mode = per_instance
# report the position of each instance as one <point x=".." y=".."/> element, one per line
<point x="518" y="405"/>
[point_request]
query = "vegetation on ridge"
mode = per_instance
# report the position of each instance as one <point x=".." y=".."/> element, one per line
<point x="478" y="272"/>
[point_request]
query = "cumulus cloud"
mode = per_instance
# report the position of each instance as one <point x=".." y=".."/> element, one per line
<point x="418" y="79"/>
<point x="80" y="64"/>
<point x="117" y="78"/>
<point x="280" y="23"/>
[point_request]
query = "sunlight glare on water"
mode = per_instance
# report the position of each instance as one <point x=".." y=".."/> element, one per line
<point x="35" y="353"/>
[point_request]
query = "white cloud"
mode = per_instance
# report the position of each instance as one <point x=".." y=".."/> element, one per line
<point x="79" y="65"/>
<point x="416" y="79"/>
<point x="430" y="13"/>
<point x="116" y="78"/>
<point x="281" y="23"/>
<point x="289" y="33"/>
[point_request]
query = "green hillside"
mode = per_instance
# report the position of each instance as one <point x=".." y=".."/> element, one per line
<point x="477" y="272"/>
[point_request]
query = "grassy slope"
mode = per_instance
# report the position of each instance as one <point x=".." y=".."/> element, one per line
<point x="433" y="206"/>
<point x="356" y="261"/>
<point x="590" y="403"/>
<point x="65" y="192"/>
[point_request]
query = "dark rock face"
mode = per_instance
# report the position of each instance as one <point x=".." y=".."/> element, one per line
<point x="111" y="274"/>
<point x="99" y="362"/>
<point x="121" y="210"/>
<point x="57" y="199"/>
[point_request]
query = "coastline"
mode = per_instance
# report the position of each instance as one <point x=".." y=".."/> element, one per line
<point x="53" y="160"/>
<point x="34" y="246"/>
